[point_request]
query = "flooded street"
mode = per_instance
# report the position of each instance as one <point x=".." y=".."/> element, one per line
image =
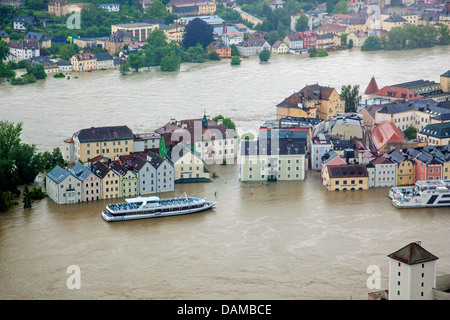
<point x="282" y="240"/>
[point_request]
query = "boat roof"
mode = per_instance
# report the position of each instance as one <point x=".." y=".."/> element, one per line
<point x="142" y="199"/>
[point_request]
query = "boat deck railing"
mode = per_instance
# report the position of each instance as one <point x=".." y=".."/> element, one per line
<point x="152" y="204"/>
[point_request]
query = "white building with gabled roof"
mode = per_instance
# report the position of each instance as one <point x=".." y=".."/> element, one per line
<point x="412" y="273"/>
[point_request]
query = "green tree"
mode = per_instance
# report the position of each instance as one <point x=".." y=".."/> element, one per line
<point x="28" y="163"/>
<point x="372" y="43"/>
<point x="443" y="35"/>
<point x="6" y="72"/>
<point x="4" y="50"/>
<point x="302" y="23"/>
<point x="410" y="133"/>
<point x="351" y="97"/>
<point x="157" y="38"/>
<point x="170" y="63"/>
<point x="49" y="160"/>
<point x="227" y="122"/>
<point x="36" y="193"/>
<point x="264" y="55"/>
<point x="272" y="37"/>
<point x="234" y="50"/>
<point x="157" y="9"/>
<point x="340" y="7"/>
<point x="124" y="68"/>
<point x="235" y="61"/>
<point x="26" y="197"/>
<point x="9" y="139"/>
<point x="198" y="31"/>
<point x="136" y="60"/>
<point x="38" y="71"/>
<point x="344" y="38"/>
<point x="320" y="52"/>
<point x="350" y="44"/>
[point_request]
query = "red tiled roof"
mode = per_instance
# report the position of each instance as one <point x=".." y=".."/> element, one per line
<point x="399" y="93"/>
<point x="372" y="87"/>
<point x="331" y="28"/>
<point x="413" y="253"/>
<point x="386" y="132"/>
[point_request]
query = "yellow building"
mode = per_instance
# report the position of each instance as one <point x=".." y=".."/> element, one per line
<point x="313" y="101"/>
<point x="358" y="38"/>
<point x="191" y="7"/>
<point x="57" y="8"/>
<point x="188" y="166"/>
<point x="446" y="170"/>
<point x="140" y="30"/>
<point x="405" y="167"/>
<point x="108" y="142"/>
<point x="445" y="81"/>
<point x="173" y="32"/>
<point x="392" y="22"/>
<point x="129" y="183"/>
<point x="346" y="177"/>
<point x="111" y="180"/>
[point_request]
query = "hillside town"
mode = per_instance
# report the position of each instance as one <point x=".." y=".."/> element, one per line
<point x="319" y="30"/>
<point x="311" y="131"/>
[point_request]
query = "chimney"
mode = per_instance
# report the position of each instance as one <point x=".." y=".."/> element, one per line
<point x="419" y="242"/>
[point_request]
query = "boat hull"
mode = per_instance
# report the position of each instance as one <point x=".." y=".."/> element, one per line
<point x="109" y="217"/>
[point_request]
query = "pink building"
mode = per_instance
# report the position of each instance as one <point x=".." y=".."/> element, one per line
<point x="91" y="185"/>
<point x="331" y="158"/>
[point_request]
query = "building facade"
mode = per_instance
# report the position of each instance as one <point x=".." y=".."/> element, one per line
<point x="109" y="142"/>
<point x="412" y="273"/>
<point x="62" y="187"/>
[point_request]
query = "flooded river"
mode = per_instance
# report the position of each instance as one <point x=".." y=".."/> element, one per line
<point x="283" y="240"/>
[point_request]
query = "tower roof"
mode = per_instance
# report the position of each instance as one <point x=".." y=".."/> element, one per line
<point x="413" y="253"/>
<point x="372" y="87"/>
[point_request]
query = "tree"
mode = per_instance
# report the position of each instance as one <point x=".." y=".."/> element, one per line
<point x="410" y="133"/>
<point x="26" y="197"/>
<point x="198" y="31"/>
<point x="9" y="138"/>
<point x="320" y="52"/>
<point x="28" y="163"/>
<point x="302" y="23"/>
<point x="350" y="44"/>
<point x="170" y="63"/>
<point x="157" y="9"/>
<point x="136" y="60"/>
<point x="234" y="50"/>
<point x="124" y="67"/>
<point x="264" y="55"/>
<point x="443" y="35"/>
<point x="372" y="43"/>
<point x="351" y="97"/>
<point x="157" y="38"/>
<point x="227" y="122"/>
<point x="4" y="50"/>
<point x="235" y="61"/>
<point x="49" y="160"/>
<point x="6" y="72"/>
<point x="272" y="37"/>
<point x="38" y="71"/>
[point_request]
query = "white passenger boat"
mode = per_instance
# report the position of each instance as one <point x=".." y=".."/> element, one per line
<point x="432" y="193"/>
<point x="153" y="207"/>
